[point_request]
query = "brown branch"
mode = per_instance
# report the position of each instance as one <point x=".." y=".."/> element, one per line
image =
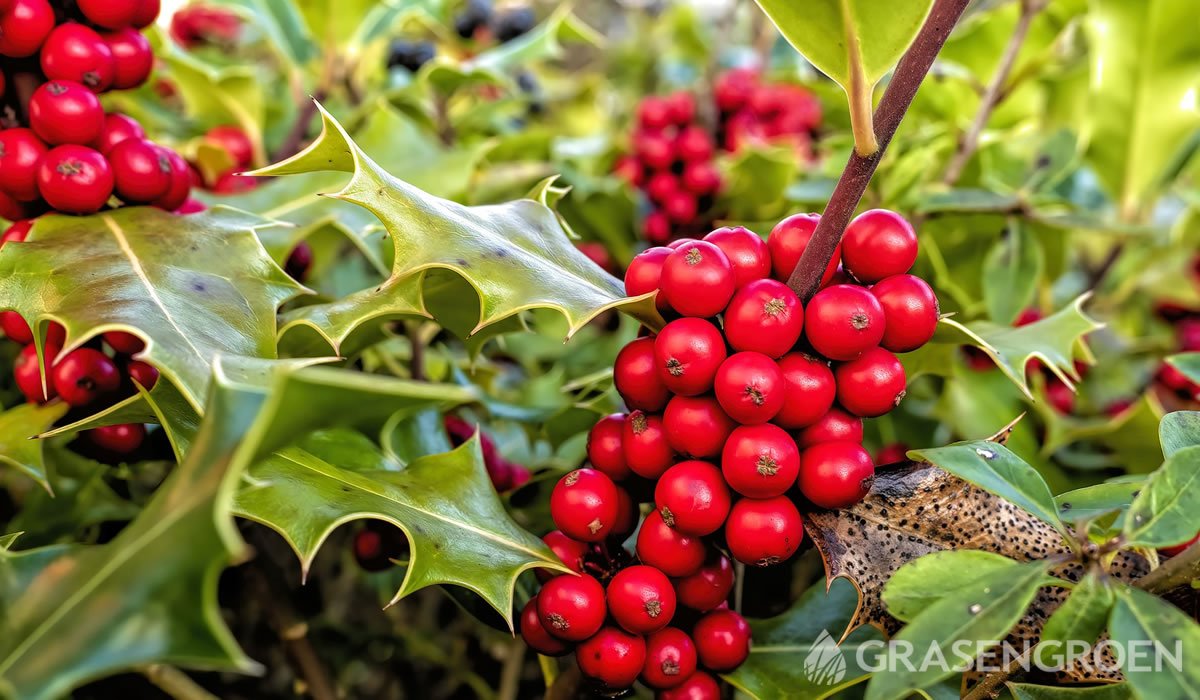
<point x="1176" y="572"/>
<point x="294" y="141"/>
<point x="989" y="685"/>
<point x="806" y="278"/>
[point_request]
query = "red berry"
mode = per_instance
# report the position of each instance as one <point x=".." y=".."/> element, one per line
<point x="536" y="636"/>
<point x="124" y="343"/>
<point x="572" y="607"/>
<point x="835" y="426"/>
<point x="1179" y="548"/>
<point x="764" y="532"/>
<point x="656" y="228"/>
<point x="700" y="178"/>
<point x="810" y="390"/>
<point x="142" y="373"/>
<point x="688" y="352"/>
<point x="628" y="515"/>
<point x="20" y="152"/>
<point x="612" y="657"/>
<point x="11" y="209"/>
<point x="760" y="461"/>
<point x="698" y="686"/>
<point x="146" y="13"/>
<point x="680" y="207"/>
<point x="28" y="374"/>
<point x="62" y="111"/>
<point x="181" y="183"/>
<point x="117" y="128"/>
<point x="85" y="375"/>
<point x="654" y="150"/>
<point x="1061" y="396"/>
<point x="641" y="599"/>
<point x="722" y="640"/>
<point x="24" y="27"/>
<point x="377" y="544"/>
<point x="697" y="279"/>
<point x="750" y="387"/>
<point x="75" y="52"/>
<point x="733" y="88"/>
<point x="696" y="425"/>
<point x="233" y="141"/>
<point x="654" y="113"/>
<point x="630" y="170"/>
<point x="893" y="453"/>
<point x="787" y="242"/>
<point x="878" y="244"/>
<point x="764" y="316"/>
<point x="141" y="171"/>
<point x="110" y="14"/>
<point x="692" y="497"/>
<point x="1188" y="332"/>
<point x="667" y="549"/>
<point x="15" y="328"/>
<point x="118" y="439"/>
<point x="133" y="59"/>
<point x="1173" y="379"/>
<point x="636" y="376"/>
<point x="644" y="272"/>
<point x="836" y="474"/>
<point x="670" y="659"/>
<point x="75" y="179"/>
<point x="843" y="320"/>
<point x="604" y="447"/>
<point x="872" y="384"/>
<point x="584" y="505"/>
<point x="708" y="587"/>
<point x="678" y="242"/>
<point x="661" y="186"/>
<point x="233" y="183"/>
<point x="681" y="107"/>
<point x="570" y="551"/>
<point x="647" y="452"/>
<point x="910" y="312"/>
<point x="694" y="144"/>
<point x="746" y="250"/>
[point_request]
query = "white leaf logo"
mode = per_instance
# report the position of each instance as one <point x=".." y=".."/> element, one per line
<point x="825" y="664"/>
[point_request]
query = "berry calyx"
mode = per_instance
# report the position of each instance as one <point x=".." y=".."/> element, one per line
<point x="665" y="548"/>
<point x="692" y="497"/>
<point x="84" y="375"/>
<point x="749" y="387"/>
<point x="670" y="659"/>
<point x="871" y="384"/>
<point x="910" y="312"/>
<point x="764" y="316"/>
<point x="584" y="505"/>
<point x="637" y="379"/>
<point x="760" y="461"/>
<point x="535" y="634"/>
<point x="604" y="447"/>
<point x="809" y="390"/>
<point x="688" y="353"/>
<point x="878" y="244"/>
<point x="613" y="657"/>
<point x="836" y="474"/>
<point x="843" y="320"/>
<point x="746" y="250"/>
<point x="641" y="599"/>
<point x="708" y="587"/>
<point x="644" y="442"/>
<point x="722" y="640"/>
<point x="572" y="608"/>
<point x="764" y="532"/>
<point x="697" y="279"/>
<point x="835" y="426"/>
<point x="696" y="425"/>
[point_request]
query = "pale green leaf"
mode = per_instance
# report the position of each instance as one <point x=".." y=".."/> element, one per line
<point x="1167" y="510"/>
<point x="908" y="592"/>
<point x="18" y="426"/>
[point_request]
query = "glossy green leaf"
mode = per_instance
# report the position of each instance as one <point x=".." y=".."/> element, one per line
<point x="1179" y="430"/>
<point x="1097" y="500"/>
<point x="908" y="592"/>
<point x="1082" y="617"/>
<point x="542" y="42"/>
<point x="1188" y="363"/>
<point x="17" y="426"/>
<point x="1029" y="691"/>
<point x="1144" y="623"/>
<point x="1011" y="273"/>
<point x="1167" y="510"/>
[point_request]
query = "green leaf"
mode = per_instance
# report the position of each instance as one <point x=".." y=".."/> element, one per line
<point x="1010" y="273"/>
<point x="1178" y="430"/>
<point x="756" y="181"/>
<point x="1167" y="511"/>
<point x="1082" y="617"/>
<point x="797" y="654"/>
<point x="1097" y="500"/>
<point x="17" y="426"/>
<point x="908" y="592"/>
<point x="543" y="42"/>
<point x="1141" y="621"/>
<point x="81" y="499"/>
<point x="1028" y="691"/>
<point x="966" y="201"/>
<point x="995" y="469"/>
<point x="193" y="286"/>
<point x="1188" y="363"/>
<point x="283" y="25"/>
<point x="984" y="610"/>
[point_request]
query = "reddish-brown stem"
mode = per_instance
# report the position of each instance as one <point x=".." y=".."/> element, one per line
<point x="806" y="278"/>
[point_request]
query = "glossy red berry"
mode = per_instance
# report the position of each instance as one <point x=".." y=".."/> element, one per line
<point x="746" y="250"/>
<point x="893" y="453"/>
<point x="110" y="14"/>
<point x="764" y="532"/>
<point x="24" y="27"/>
<point x="910" y="312"/>
<point x="20" y="152"/>
<point x="694" y="144"/>
<point x="760" y="461"/>
<point x="75" y="52"/>
<point x="604" y="448"/>
<point x="572" y="607"/>
<point x="133" y="59"/>
<point x="654" y="150"/>
<point x="141" y="171"/>
<point x="84" y="375"/>
<point x="872" y="384"/>
<point x="698" y="686"/>
<point x="1178" y="549"/>
<point x="670" y="659"/>
<point x="15" y="328"/>
<point x="584" y="505"/>
<point x="117" y="128"/>
<point x="644" y="272"/>
<point x="750" y="388"/>
<point x="75" y="179"/>
<point x="641" y="599"/>
<point x="843" y="320"/>
<point x="628" y="514"/>
<point x="124" y="343"/>
<point x="809" y="390"/>
<point x="571" y="552"/>
<point x="764" y="316"/>
<point x="181" y="183"/>
<point x="700" y="178"/>
<point x="667" y="549"/>
<point x="636" y="376"/>
<point x="28" y="374"/>
<point x="644" y="441"/>
<point x="688" y="352"/>
<point x="118" y="439"/>
<point x="233" y="141"/>
<point x="11" y="209"/>
<point x="692" y="497"/>
<point x="836" y="474"/>
<point x="654" y="113"/>
<point x="656" y="228"/>
<point x="142" y="373"/>
<point x="722" y="640"/>
<point x="146" y="13"/>
<point x="878" y="244"/>
<point x="698" y="279"/>
<point x="613" y="657"/>
<point x="708" y="587"/>
<point x="536" y="636"/>
<point x="62" y="111"/>
<point x="696" y="425"/>
<point x="835" y="426"/>
<point x="787" y="242"/>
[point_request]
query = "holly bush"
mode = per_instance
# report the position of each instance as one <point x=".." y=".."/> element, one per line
<point x="693" y="350"/>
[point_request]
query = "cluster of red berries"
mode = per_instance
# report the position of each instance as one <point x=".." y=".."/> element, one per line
<point x="754" y="112"/>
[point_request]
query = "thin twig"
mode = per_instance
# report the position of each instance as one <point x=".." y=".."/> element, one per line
<point x="510" y="674"/>
<point x="175" y="683"/>
<point x="806" y="278"/>
<point x="1176" y="572"/>
<point x="990" y="684"/>
<point x="295" y="138"/>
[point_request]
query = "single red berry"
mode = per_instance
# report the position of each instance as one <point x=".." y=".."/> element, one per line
<point x="604" y="447"/>
<point x="1179" y="548"/>
<point x="746" y="250"/>
<point x="760" y="461"/>
<point x="118" y="439"/>
<point x="124" y="343"/>
<point x="892" y="453"/>
<point x="694" y="144"/>
<point x="670" y="659"/>
<point x="910" y="312"/>
<point x="142" y="373"/>
<point x="62" y="111"/>
<point x="764" y="532"/>
<point x="810" y="390"/>
<point x="630" y="169"/>
<point x="680" y="207"/>
<point x="681" y="107"/>
<point x="15" y="328"/>
<point x="500" y="473"/>
<point x="75" y="52"/>
<point x="697" y="279"/>
<point x="722" y="640"/>
<point x="693" y="498"/>
<point x="572" y="607"/>
<point x="641" y="599"/>
<point x="667" y="549"/>
<point x="764" y="316"/>
<point x="836" y="474"/>
<point x="234" y="141"/>
<point x="612" y="657"/>
<point x="147" y="13"/>
<point x="24" y="27"/>
<point x="787" y="242"/>
<point x="117" y="128"/>
<point x="133" y="59"/>
<point x="28" y="374"/>
<point x="584" y="505"/>
<point x="75" y="179"/>
<point x="233" y="183"/>
<point x="628" y="515"/>
<point x="871" y="384"/>
<point x="843" y="320"/>
<point x="1060" y="396"/>
<point x="733" y="88"/>
<point x="698" y="686"/>
<point x="85" y="375"/>
<point x="749" y="386"/>
<point x="661" y="186"/>
<point x="20" y="152"/>
<point x="643" y="274"/>
<point x="878" y="244"/>
<point x="708" y="587"/>
<point x="654" y="113"/>
<point x="654" y="150"/>
<point x="636" y="376"/>
<point x="110" y="14"/>
<point x="17" y="232"/>
<point x="696" y="425"/>
<point x="181" y="182"/>
<point x="688" y="352"/>
<point x="570" y="551"/>
<point x="700" y="178"/>
<point x="141" y="171"/>
<point x="835" y="426"/>
<point x="656" y="228"/>
<point x="536" y="636"/>
<point x="644" y="441"/>
<point x="377" y="544"/>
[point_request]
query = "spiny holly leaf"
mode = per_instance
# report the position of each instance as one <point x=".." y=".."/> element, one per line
<point x="1166" y="511"/>
<point x="516" y="255"/>
<point x="17" y="426"/>
<point x="192" y="286"/>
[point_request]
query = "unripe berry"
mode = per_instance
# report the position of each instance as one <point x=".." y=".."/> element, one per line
<point x="696" y="425"/>
<point x="604" y="447"/>
<point x="871" y="384"/>
<point x="85" y="375"/>
<point x="688" y="352"/>
<point x="75" y="179"/>
<point x="843" y="320"/>
<point x="24" y="27"/>
<point x="747" y="253"/>
<point x="697" y="279"/>
<point x="810" y="390"/>
<point x="77" y="53"/>
<point x="636" y="376"/>
<point x="760" y="461"/>
<point x="787" y="242"/>
<point x="570" y="552"/>
<point x="878" y="244"/>
<point x="117" y="128"/>
<point x="835" y="426"/>
<point x="665" y="548"/>
<point x="698" y="686"/>
<point x="750" y="387"/>
<point x="641" y="599"/>
<point x="612" y="657"/>
<point x="572" y="608"/>
<point x="670" y="659"/>
<point x="62" y="111"/>
<point x="692" y="497"/>
<point x="764" y="316"/>
<point x="536" y="636"/>
<point x="722" y="640"/>
<point x="644" y="442"/>
<point x="764" y="532"/>
<point x="118" y="439"/>
<point x="910" y="312"/>
<point x="20" y="152"/>
<point x="836" y="474"/>
<point x="584" y="505"/>
<point x="141" y="171"/>
<point x="133" y="59"/>
<point x="708" y="587"/>
<point x="644" y="272"/>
